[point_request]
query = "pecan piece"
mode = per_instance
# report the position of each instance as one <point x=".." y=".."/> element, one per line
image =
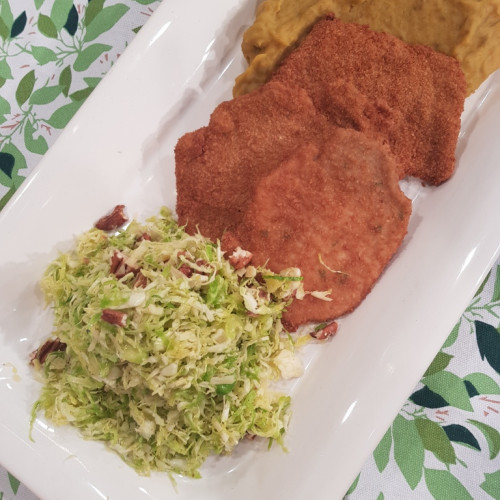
<point x="113" y="220"/>
<point x="114" y="317"/>
<point x="325" y="332"/>
<point x="119" y="266"/>
<point x="186" y="270"/>
<point x="116" y="261"/>
<point x="51" y="345"/>
<point x="240" y="258"/>
<point x="140" y="280"/>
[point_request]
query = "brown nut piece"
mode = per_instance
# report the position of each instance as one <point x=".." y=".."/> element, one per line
<point x="114" y="317"/>
<point x="113" y="220"/>
<point x="140" y="280"/>
<point x="119" y="266"/>
<point x="240" y="258"/>
<point x="186" y="270"/>
<point x="45" y="349"/>
<point x="325" y="332"/>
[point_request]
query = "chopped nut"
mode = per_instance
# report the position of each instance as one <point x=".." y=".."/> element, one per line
<point x="114" y="317"/>
<point x="116" y="261"/>
<point x="140" y="280"/>
<point x="186" y="270"/>
<point x="45" y="349"/>
<point x="259" y="278"/>
<point x="119" y="266"/>
<point x="113" y="220"/>
<point x="240" y="258"/>
<point x="325" y="332"/>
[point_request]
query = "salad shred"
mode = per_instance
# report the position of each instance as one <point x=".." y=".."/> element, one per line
<point x="169" y="352"/>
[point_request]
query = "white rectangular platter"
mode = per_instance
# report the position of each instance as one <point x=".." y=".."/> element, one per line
<point x="119" y="149"/>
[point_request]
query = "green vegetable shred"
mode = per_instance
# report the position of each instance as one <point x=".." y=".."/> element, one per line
<point x="170" y="353"/>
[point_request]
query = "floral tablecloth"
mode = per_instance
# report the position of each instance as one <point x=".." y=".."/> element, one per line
<point x="445" y="441"/>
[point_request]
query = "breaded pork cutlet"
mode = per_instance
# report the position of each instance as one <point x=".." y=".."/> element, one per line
<point x="273" y="174"/>
<point x="423" y="91"/>
<point x="335" y="211"/>
<point x="218" y="166"/>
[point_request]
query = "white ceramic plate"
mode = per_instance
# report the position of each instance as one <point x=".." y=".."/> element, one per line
<point x="119" y="149"/>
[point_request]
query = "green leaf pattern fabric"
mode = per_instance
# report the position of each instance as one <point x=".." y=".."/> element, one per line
<point x="48" y="51"/>
<point x="450" y="425"/>
<point x="444" y="443"/>
<point x="11" y="488"/>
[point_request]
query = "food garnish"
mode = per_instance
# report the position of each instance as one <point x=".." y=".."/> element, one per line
<point x="177" y="368"/>
<point x="115" y="219"/>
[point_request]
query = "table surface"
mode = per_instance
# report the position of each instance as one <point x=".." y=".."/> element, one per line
<point x="445" y="441"/>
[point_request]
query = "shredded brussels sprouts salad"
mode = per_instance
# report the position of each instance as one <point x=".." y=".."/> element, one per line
<point x="162" y="349"/>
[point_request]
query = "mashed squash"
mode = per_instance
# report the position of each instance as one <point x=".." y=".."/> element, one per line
<point x="468" y="30"/>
